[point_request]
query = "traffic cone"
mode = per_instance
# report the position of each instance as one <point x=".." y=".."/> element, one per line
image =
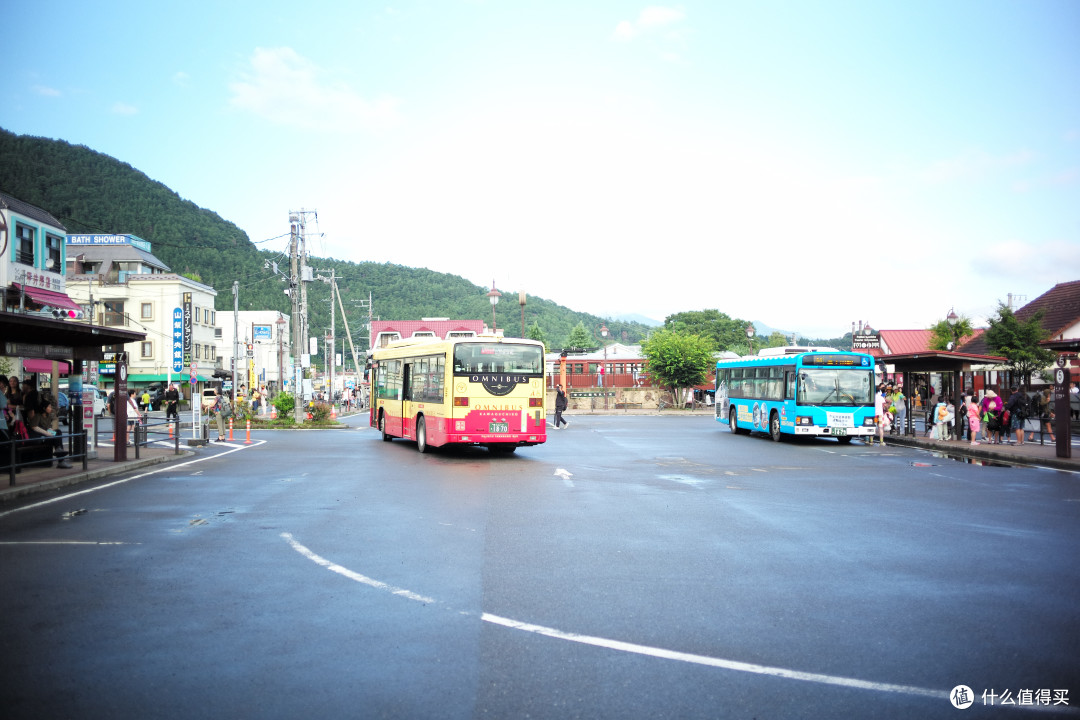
<point x="273" y="412"/>
<point x="333" y="412"/>
<point x="230" y="429"/>
<point x="248" y="441"/>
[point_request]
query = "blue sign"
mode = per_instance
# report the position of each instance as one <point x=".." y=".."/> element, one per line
<point x="178" y="339"/>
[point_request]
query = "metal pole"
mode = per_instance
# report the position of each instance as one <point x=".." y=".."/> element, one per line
<point x="235" y="336"/>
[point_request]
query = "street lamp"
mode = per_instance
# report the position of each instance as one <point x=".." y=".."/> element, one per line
<point x="494" y="296"/>
<point x="750" y="337"/>
<point x="952" y="318"/>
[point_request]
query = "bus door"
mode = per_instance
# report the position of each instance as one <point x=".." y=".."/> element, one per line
<point x="404" y="409"/>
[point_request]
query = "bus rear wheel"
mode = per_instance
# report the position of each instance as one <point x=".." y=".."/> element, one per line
<point x="421" y="435"/>
<point x="774" y="426"/>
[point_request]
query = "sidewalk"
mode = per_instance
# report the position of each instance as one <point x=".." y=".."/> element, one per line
<point x="1030" y="453"/>
<point x="37" y="480"/>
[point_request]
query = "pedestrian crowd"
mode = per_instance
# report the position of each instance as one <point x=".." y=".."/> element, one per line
<point x="988" y="418"/>
<point x="26" y="414"/>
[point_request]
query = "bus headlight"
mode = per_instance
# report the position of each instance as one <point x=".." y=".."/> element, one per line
<point x="804" y="420"/>
<point x="868" y="421"/>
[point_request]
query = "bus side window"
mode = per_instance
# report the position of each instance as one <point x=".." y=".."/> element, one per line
<point x="789" y="392"/>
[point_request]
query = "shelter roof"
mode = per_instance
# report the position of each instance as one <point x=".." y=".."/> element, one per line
<point x="905" y="341"/>
<point x="34" y="336"/>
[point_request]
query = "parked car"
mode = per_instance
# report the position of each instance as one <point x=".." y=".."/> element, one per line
<point x="157" y="397"/>
<point x="99" y="398"/>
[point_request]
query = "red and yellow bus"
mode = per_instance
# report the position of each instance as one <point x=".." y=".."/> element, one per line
<point x="482" y="390"/>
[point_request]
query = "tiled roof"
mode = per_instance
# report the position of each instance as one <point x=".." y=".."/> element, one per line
<point x="406" y="328"/>
<point x="904" y="342"/>
<point x="1062" y="306"/>
<point x="14" y="204"/>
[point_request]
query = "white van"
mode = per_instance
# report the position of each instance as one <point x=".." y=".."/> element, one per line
<point x="100" y="398"/>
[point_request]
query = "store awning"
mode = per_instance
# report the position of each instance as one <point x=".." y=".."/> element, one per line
<point x="35" y="365"/>
<point x="47" y="297"/>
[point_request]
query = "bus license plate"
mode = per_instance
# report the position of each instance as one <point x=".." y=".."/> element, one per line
<point x="499" y="427"/>
<point x="840" y="432"/>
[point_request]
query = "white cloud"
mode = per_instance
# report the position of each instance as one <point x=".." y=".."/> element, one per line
<point x="650" y="19"/>
<point x="181" y="78"/>
<point x="46" y="91"/>
<point x="288" y="89"/>
<point x="122" y="108"/>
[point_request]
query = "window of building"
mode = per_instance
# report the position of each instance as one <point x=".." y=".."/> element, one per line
<point x="147" y="311"/>
<point x="24" y="244"/>
<point x="148" y="349"/>
<point x="198" y="352"/>
<point x="113" y="313"/>
<point x="198" y="314"/>
<point x="54" y="248"/>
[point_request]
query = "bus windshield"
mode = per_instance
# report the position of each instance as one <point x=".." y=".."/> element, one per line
<point x="835" y="386"/>
<point x="472" y="358"/>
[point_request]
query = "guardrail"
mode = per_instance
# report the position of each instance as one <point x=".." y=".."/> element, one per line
<point x="19" y="453"/>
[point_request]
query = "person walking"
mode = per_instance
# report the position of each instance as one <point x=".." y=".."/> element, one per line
<point x="1017" y="408"/>
<point x="899" y="401"/>
<point x="221" y="410"/>
<point x="1048" y="414"/>
<point x="991" y="415"/>
<point x="973" y="410"/>
<point x="133" y="413"/>
<point x="879" y="415"/>
<point x="172" y="403"/>
<point x="560" y="407"/>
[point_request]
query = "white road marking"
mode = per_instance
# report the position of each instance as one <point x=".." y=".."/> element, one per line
<point x="565" y="475"/>
<point x="355" y="576"/>
<point x="646" y="650"/>
<point x="148" y="473"/>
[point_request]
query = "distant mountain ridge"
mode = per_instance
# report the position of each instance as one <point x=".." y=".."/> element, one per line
<point x="90" y="192"/>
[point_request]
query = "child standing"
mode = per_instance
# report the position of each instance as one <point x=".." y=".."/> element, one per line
<point x="973" y="418"/>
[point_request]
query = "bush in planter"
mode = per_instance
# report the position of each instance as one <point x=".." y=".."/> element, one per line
<point x="320" y="412"/>
<point x="284" y="402"/>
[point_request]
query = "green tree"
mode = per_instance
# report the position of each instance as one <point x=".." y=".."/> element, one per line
<point x="1018" y="342"/>
<point x="776" y="339"/>
<point x="721" y="330"/>
<point x="942" y="334"/>
<point x="678" y="360"/>
<point x="579" y="337"/>
<point x="535" y="333"/>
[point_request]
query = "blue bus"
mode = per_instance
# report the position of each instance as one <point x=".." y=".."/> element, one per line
<point x="791" y="391"/>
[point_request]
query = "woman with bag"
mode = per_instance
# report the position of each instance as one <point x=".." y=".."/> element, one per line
<point x="992" y="407"/>
<point x="221" y="410"/>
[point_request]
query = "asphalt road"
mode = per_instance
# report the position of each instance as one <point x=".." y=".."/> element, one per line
<point x="630" y="568"/>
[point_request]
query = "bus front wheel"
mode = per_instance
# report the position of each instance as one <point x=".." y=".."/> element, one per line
<point x="382" y="428"/>
<point x="774" y="426"/>
<point x="732" y="420"/>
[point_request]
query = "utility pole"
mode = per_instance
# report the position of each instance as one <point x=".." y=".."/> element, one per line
<point x="295" y="221"/>
<point x="235" y="334"/>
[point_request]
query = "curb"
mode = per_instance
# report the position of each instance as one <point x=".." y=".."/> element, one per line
<point x="12" y="493"/>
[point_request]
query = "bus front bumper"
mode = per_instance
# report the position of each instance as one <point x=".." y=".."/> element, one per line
<point x="819" y="431"/>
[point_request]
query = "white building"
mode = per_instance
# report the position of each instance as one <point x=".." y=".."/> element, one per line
<point x="120" y="283"/>
<point x="262" y="344"/>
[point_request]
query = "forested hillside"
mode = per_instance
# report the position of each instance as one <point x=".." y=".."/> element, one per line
<point x="90" y="192"/>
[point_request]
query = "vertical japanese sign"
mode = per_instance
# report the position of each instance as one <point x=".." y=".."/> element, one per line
<point x="187" y="328"/>
<point x="178" y="340"/>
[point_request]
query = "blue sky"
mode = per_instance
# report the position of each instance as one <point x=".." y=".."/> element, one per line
<point x="803" y="164"/>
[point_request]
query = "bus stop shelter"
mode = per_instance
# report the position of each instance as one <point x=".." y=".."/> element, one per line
<point x="950" y="365"/>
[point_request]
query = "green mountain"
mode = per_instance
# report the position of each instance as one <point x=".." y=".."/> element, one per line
<point x="90" y="192"/>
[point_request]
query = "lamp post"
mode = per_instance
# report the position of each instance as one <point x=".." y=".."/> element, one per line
<point x="603" y="368"/>
<point x="750" y="337"/>
<point x="952" y="318"/>
<point x="494" y="296"/>
<point x="521" y="302"/>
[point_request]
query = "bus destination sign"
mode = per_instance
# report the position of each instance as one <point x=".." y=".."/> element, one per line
<point x="822" y="360"/>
